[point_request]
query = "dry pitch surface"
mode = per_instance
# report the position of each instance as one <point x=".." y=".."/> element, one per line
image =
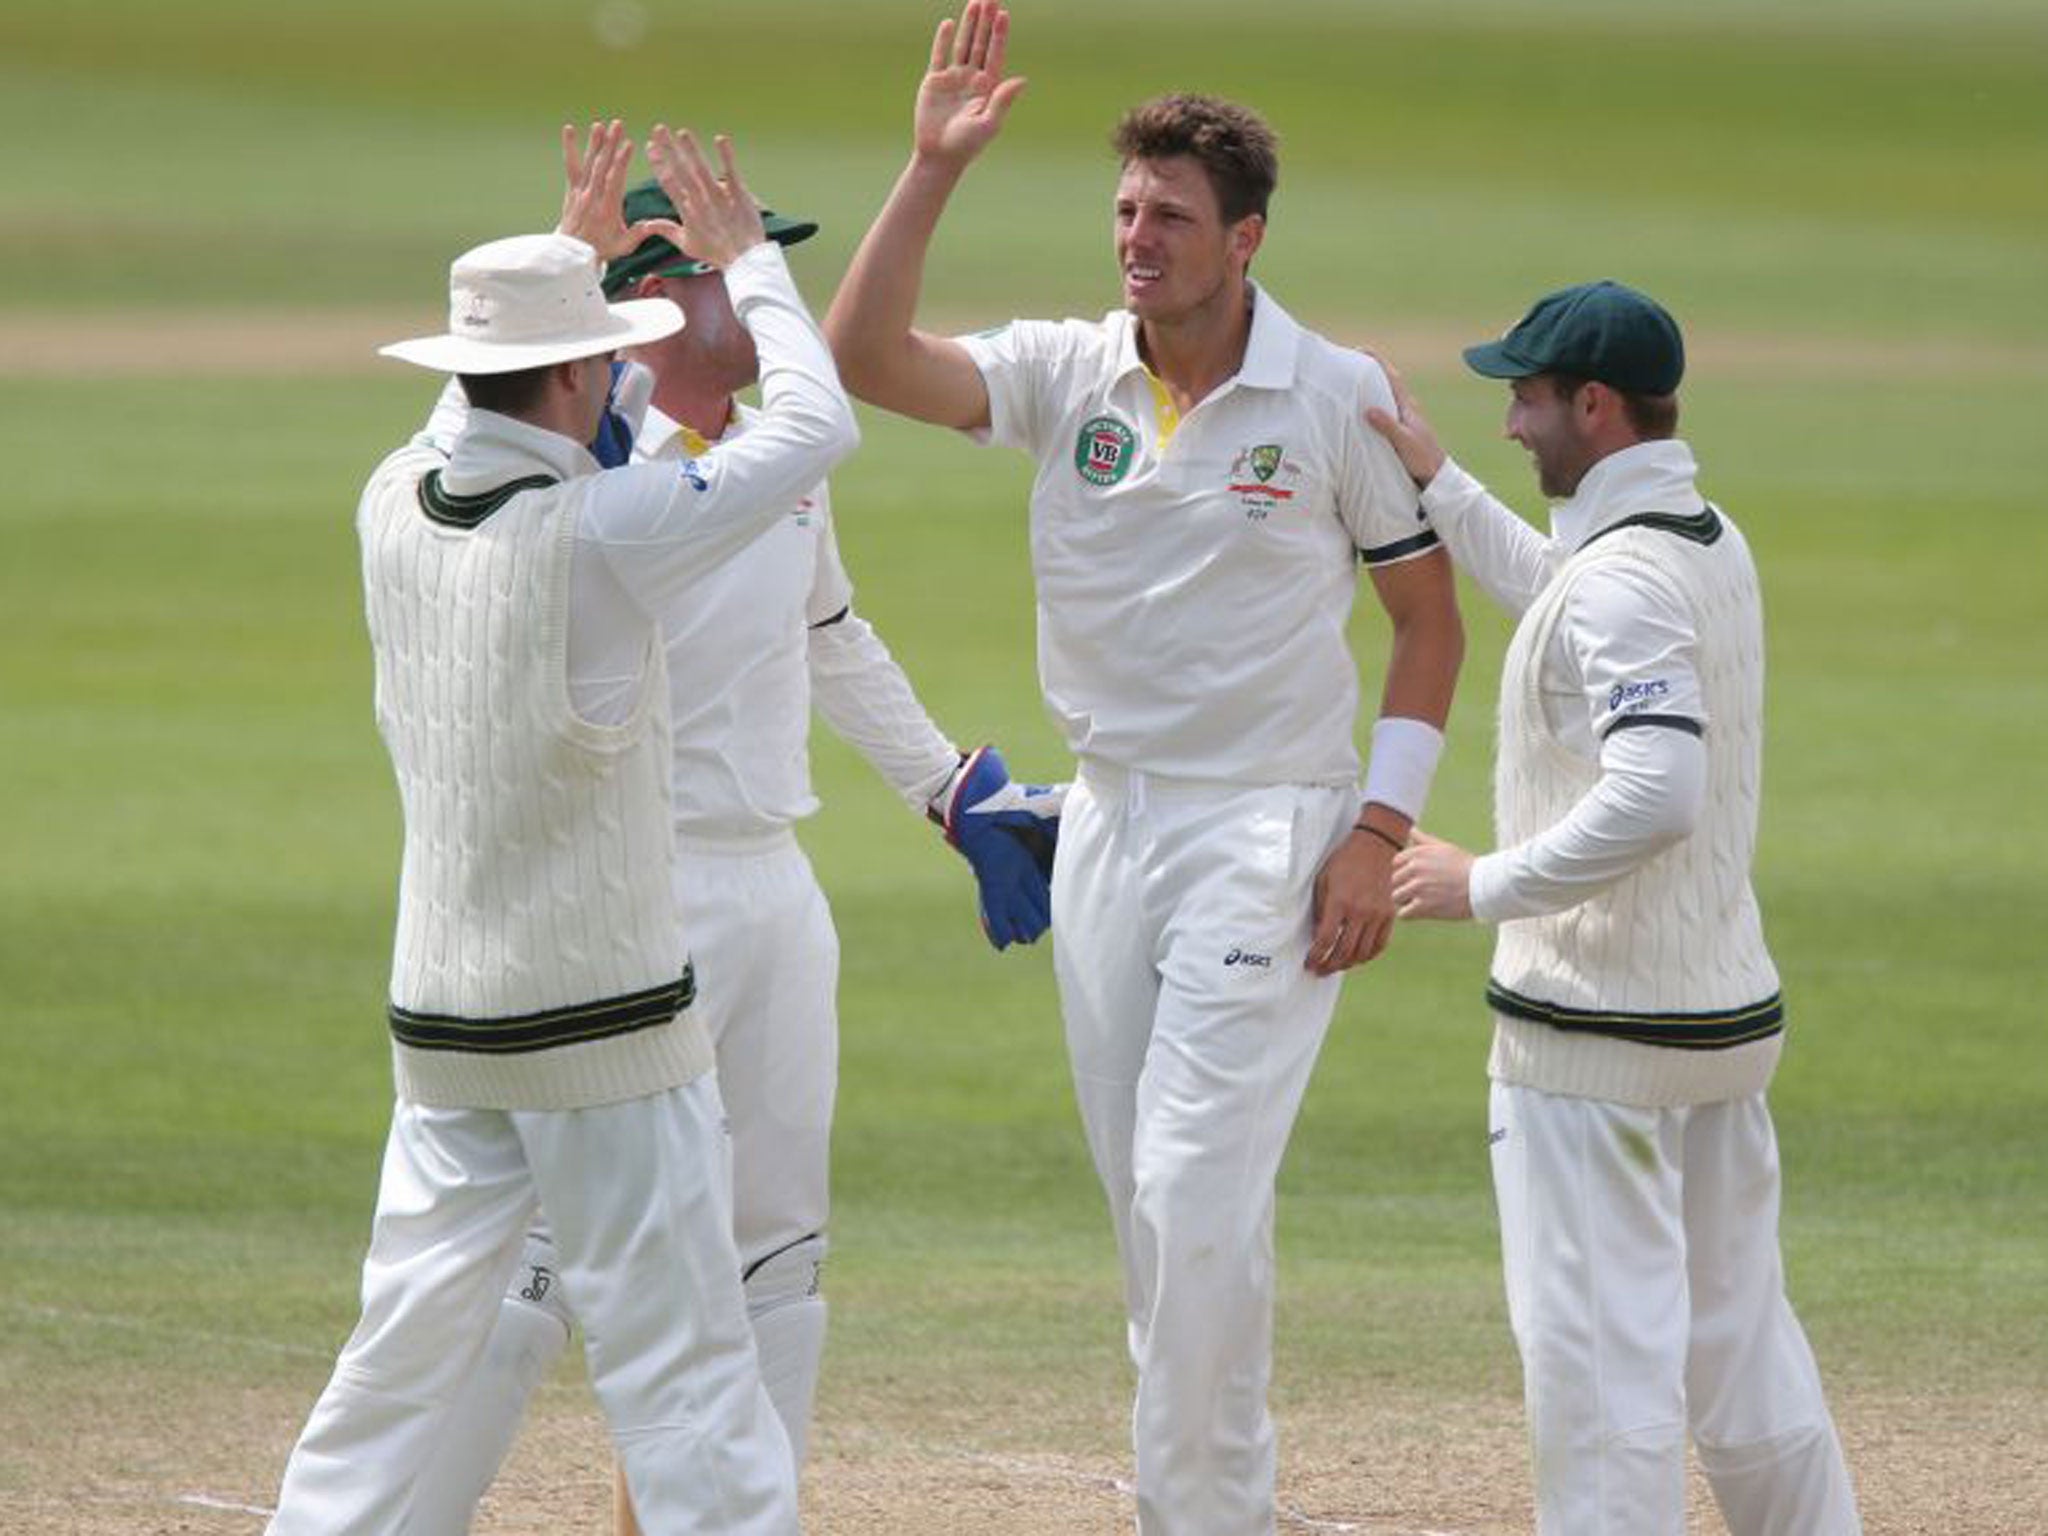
<point x="119" y="1466"/>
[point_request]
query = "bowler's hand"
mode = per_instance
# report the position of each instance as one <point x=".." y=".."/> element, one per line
<point x="965" y="95"/>
<point x="721" y="222"/>
<point x="1433" y="878"/>
<point x="1410" y="435"/>
<point x="1354" y="905"/>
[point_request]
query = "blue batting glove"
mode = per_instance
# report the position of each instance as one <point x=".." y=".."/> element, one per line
<point x="1007" y="833"/>
<point x="625" y="408"/>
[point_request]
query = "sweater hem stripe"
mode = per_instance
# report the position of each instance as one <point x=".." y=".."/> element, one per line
<point x="578" y="1023"/>
<point x="1711" y="1030"/>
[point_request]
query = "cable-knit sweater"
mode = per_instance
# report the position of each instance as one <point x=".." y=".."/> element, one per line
<point x="540" y="960"/>
<point x="1646" y="981"/>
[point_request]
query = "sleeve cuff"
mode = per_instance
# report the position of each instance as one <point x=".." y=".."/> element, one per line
<point x="1486" y="888"/>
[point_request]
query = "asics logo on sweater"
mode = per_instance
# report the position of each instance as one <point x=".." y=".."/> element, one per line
<point x="1635" y="695"/>
<point x="1246" y="957"/>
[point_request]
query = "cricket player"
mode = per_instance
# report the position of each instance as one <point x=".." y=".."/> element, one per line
<point x="542" y="1044"/>
<point x="1206" y="492"/>
<point x="1637" y="1018"/>
<point x="751" y="645"/>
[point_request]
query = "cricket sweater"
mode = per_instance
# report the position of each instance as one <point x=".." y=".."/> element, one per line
<point x="540" y="960"/>
<point x="1658" y="988"/>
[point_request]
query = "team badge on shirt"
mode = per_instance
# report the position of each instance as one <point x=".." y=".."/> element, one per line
<point x="1253" y="476"/>
<point x="1104" y="450"/>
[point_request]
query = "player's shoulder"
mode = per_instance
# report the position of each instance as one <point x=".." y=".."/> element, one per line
<point x="404" y="465"/>
<point x="1071" y="337"/>
<point x="1347" y="373"/>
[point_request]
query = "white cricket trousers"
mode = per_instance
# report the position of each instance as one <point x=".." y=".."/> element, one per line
<point x="1647" y="1298"/>
<point x="767" y="963"/>
<point x="1181" y="926"/>
<point x="639" y="1197"/>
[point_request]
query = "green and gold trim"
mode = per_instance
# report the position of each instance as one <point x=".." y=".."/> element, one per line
<point x="548" y="1029"/>
<point x="1714" y="1030"/>
<point x="1702" y="527"/>
<point x="454" y="511"/>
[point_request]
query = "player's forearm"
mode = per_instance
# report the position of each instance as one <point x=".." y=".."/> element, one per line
<point x="1648" y="797"/>
<point x="868" y="701"/>
<point x="1428" y="644"/>
<point x="872" y="321"/>
<point x="1507" y="558"/>
<point x="806" y="424"/>
<point x="678" y="519"/>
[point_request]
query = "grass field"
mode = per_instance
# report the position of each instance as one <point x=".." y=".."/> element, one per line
<point x="1848" y="206"/>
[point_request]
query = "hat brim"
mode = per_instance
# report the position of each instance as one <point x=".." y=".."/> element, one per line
<point x="633" y="323"/>
<point x="657" y="257"/>
<point x="1494" y="360"/>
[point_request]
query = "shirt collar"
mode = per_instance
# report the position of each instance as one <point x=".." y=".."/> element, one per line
<point x="1269" y="352"/>
<point x="658" y="430"/>
<point x="1655" y="476"/>
<point x="494" y="449"/>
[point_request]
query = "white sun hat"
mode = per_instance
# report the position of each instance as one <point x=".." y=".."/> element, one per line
<point x="530" y="301"/>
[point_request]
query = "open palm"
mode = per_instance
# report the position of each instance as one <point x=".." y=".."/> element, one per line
<point x="965" y="94"/>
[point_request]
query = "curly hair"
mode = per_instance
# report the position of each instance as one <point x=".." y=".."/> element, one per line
<point x="1236" y="150"/>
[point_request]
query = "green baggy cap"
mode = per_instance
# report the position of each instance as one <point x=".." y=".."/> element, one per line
<point x="646" y="200"/>
<point x="1602" y="330"/>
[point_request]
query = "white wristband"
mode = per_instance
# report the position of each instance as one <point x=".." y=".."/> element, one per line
<point x="1404" y="754"/>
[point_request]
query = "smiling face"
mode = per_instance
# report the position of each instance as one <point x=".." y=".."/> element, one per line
<point x="1548" y="421"/>
<point x="1177" y="256"/>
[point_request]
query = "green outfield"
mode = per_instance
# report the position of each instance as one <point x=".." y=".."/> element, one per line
<point x="1846" y="204"/>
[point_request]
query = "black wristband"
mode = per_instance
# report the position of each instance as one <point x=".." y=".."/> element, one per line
<point x="1388" y="838"/>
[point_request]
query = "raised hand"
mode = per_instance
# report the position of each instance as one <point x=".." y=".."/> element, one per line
<point x="721" y="220"/>
<point x="594" y="188"/>
<point x="965" y="95"/>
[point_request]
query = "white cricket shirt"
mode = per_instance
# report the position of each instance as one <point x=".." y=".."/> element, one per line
<point x="749" y="641"/>
<point x="1195" y="573"/>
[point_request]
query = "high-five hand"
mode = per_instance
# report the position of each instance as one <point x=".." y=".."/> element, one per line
<point x="965" y="95"/>
<point x="593" y="185"/>
<point x="721" y="221"/>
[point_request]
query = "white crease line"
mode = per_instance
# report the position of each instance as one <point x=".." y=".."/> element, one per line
<point x="207" y="1501"/>
<point x="1052" y="1472"/>
<point x="143" y="1325"/>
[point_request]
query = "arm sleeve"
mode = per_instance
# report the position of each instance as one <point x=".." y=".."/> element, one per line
<point x="1025" y="366"/>
<point x="864" y="695"/>
<point x="661" y="522"/>
<point x="1628" y="638"/>
<point x="1510" y="560"/>
<point x="1375" y="497"/>
<point x="1647" y="797"/>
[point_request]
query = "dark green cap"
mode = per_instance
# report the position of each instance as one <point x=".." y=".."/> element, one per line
<point x="1602" y="331"/>
<point x="655" y="255"/>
